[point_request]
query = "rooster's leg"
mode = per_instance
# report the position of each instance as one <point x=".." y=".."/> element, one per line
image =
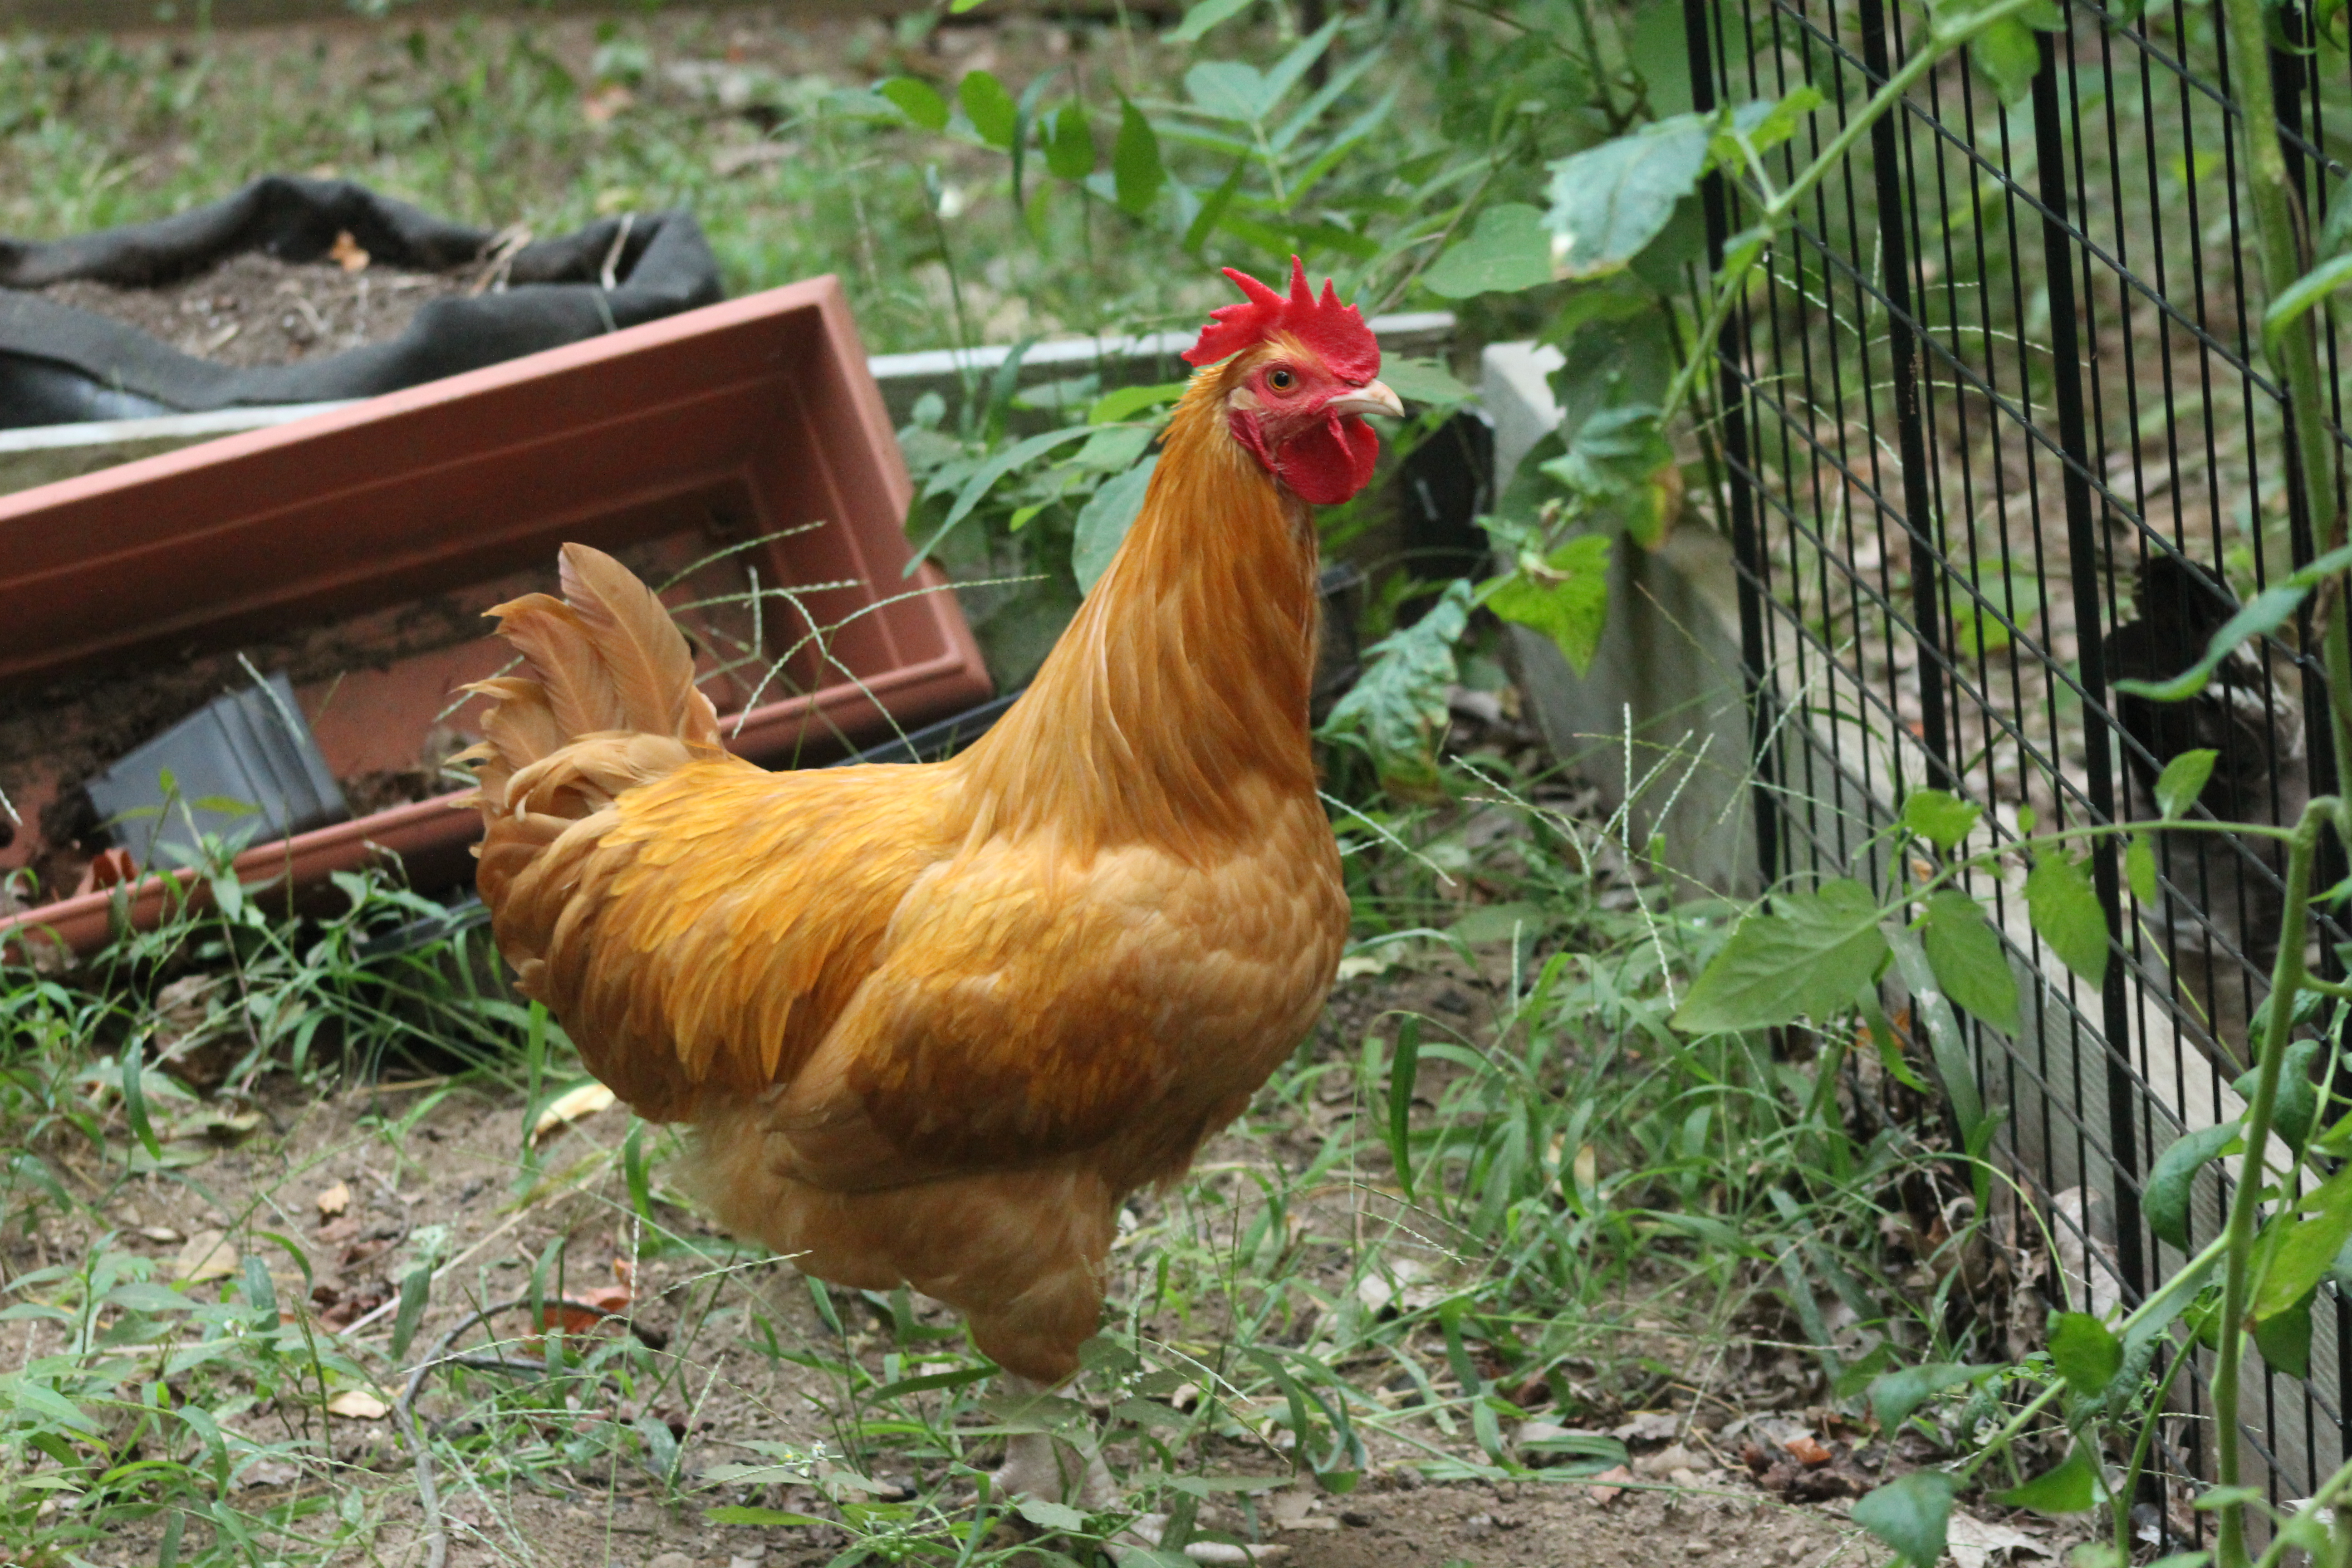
<point x="1043" y="1465"/>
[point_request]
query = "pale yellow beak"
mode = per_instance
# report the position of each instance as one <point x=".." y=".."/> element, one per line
<point x="1374" y="399"/>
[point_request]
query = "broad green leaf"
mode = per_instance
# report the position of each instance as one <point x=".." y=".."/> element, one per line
<point x="1608" y="202"/>
<point x="1136" y="170"/>
<point x="1127" y="402"/>
<point x="1396" y="709"/>
<point x="918" y="99"/>
<point x="1070" y="143"/>
<point x="2066" y="914"/>
<point x="1509" y="250"/>
<point x="2071" y="1487"/>
<point x="143" y="1296"/>
<point x="1911" y="1515"/>
<point x="2284" y="1337"/>
<point x="2182" y="781"/>
<point x="1969" y="960"/>
<point x="1047" y="1515"/>
<point x="1113" y="449"/>
<point x="2009" y="55"/>
<point x="1939" y="816"/>
<point x="1236" y="90"/>
<point x="2297" y="1099"/>
<point x="2165" y="1199"/>
<point x="2139" y="868"/>
<point x="31" y="1397"/>
<point x="1620" y="464"/>
<point x="2309" y="1248"/>
<point x="2271" y="609"/>
<point x="1761" y="125"/>
<point x="989" y="108"/>
<point x="1893" y="1395"/>
<point x="1425" y="381"/>
<point x="1104" y="520"/>
<point x="1807" y="958"/>
<point x="1206" y="14"/>
<point x="1564" y="596"/>
<point x="1229" y="89"/>
<point x="2084" y="1351"/>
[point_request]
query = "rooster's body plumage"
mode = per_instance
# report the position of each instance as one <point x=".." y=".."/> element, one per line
<point x="931" y="1023"/>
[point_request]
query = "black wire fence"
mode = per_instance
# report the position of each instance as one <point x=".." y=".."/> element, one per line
<point x="1996" y="432"/>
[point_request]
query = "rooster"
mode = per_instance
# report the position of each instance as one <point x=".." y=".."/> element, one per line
<point x="932" y="1024"/>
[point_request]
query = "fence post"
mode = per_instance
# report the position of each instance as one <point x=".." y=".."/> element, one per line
<point x="2084" y="549"/>
<point x="1732" y="425"/>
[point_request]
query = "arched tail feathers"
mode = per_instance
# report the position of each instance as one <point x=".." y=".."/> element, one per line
<point x="602" y="664"/>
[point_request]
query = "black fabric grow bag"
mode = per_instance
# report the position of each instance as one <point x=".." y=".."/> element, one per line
<point x="60" y="364"/>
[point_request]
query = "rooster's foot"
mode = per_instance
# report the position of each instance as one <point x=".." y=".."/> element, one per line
<point x="1039" y="1465"/>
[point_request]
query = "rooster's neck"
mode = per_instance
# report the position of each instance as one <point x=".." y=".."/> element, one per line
<point x="1175" y="705"/>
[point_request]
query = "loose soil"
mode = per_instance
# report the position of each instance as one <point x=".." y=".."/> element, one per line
<point x="254" y="309"/>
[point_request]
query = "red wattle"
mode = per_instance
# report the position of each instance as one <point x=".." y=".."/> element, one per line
<point x="1330" y="463"/>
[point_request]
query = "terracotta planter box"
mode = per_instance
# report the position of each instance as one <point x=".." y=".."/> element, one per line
<point x="354" y="551"/>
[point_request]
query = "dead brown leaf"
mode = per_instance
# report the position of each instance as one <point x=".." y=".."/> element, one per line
<point x="1609" y="1484"/>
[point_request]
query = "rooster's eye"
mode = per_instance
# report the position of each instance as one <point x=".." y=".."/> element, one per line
<point x="1280" y="379"/>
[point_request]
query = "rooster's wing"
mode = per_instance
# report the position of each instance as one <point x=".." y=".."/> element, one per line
<point x="922" y="1001"/>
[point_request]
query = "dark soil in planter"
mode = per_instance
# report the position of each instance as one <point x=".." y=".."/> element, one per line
<point x="255" y="310"/>
<point x="379" y="690"/>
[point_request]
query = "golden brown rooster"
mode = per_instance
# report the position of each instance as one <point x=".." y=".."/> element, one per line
<point x="932" y="1024"/>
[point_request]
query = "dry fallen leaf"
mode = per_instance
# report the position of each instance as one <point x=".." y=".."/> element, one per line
<point x="1972" y="1543"/>
<point x="359" y="1405"/>
<point x="208" y="1256"/>
<point x="1807" y="1449"/>
<point x="1601" y="1490"/>
<point x="334" y="1200"/>
<point x="347" y="253"/>
<point x="570" y="1106"/>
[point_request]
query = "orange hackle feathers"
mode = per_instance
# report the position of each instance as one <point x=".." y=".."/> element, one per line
<point x="932" y="1023"/>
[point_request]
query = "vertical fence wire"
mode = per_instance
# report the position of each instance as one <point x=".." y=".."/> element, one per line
<point x="1996" y="431"/>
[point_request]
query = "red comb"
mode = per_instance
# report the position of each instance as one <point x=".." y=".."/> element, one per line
<point x="1333" y="331"/>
